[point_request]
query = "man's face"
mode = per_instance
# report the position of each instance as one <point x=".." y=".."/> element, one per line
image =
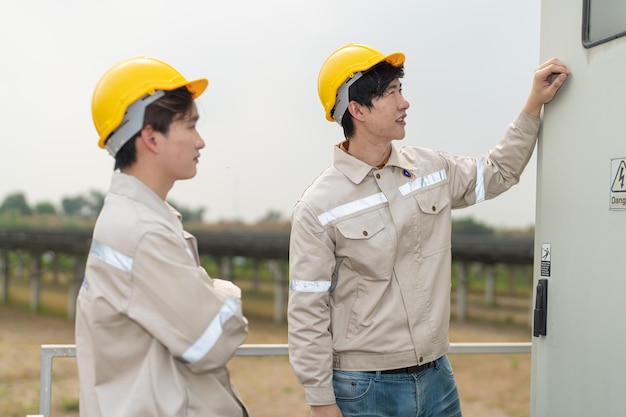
<point x="182" y="146"/>
<point x="386" y="117"/>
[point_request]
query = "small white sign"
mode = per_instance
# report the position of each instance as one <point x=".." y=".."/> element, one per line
<point x="546" y="259"/>
<point x="618" y="184"/>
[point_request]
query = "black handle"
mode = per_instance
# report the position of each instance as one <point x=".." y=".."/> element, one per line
<point x="541" y="308"/>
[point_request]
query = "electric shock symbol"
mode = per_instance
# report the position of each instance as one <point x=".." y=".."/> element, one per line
<point x="619" y="182"/>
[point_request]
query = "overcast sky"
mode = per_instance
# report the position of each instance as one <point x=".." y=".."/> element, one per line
<point x="469" y="68"/>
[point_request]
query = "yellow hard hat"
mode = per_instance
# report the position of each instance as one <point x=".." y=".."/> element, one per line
<point x="129" y="81"/>
<point x="343" y="65"/>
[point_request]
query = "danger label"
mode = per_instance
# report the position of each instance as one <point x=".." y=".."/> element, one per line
<point x="618" y="184"/>
<point x="546" y="259"/>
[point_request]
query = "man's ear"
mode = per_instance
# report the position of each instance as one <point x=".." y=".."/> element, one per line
<point x="356" y="110"/>
<point x="148" y="140"/>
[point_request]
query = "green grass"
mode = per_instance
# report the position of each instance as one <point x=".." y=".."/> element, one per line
<point x="69" y="404"/>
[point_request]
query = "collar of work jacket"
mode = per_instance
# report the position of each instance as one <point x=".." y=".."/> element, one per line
<point x="356" y="170"/>
<point x="131" y="187"/>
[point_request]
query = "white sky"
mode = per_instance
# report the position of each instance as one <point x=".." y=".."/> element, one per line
<point x="468" y="71"/>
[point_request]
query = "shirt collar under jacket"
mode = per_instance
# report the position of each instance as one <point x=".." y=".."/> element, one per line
<point x="356" y="170"/>
<point x="131" y="187"/>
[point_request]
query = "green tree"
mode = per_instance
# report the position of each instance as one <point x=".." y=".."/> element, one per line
<point x="16" y="204"/>
<point x="271" y="216"/>
<point x="468" y="225"/>
<point x="87" y="206"/>
<point x="189" y="215"/>
<point x="74" y="206"/>
<point x="45" y="207"/>
<point x="95" y="200"/>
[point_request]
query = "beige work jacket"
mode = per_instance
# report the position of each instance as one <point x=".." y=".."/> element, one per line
<point x="153" y="331"/>
<point x="370" y="256"/>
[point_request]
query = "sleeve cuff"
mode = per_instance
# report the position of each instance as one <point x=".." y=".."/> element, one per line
<point x="319" y="395"/>
<point x="527" y="123"/>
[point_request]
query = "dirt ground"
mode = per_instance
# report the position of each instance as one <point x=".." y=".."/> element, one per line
<point x="489" y="385"/>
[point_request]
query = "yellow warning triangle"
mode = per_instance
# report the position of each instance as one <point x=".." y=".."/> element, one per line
<point x="619" y="183"/>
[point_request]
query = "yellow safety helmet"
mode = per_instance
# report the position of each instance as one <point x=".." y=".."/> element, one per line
<point x="138" y="80"/>
<point x="347" y="64"/>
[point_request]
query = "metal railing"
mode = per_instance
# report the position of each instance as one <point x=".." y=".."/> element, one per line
<point x="260" y="244"/>
<point x="49" y="352"/>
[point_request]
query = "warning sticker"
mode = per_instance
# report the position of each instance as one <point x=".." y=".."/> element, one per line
<point x="546" y="259"/>
<point x="618" y="184"/>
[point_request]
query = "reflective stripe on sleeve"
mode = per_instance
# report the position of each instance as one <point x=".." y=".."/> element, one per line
<point x="111" y="256"/>
<point x="301" y="285"/>
<point x="213" y="332"/>
<point x="480" y="180"/>
<point x="424" y="181"/>
<point x="351" y="208"/>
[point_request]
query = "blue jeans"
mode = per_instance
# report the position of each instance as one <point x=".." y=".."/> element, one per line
<point x="430" y="393"/>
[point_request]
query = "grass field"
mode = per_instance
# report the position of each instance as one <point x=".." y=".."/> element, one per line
<point x="489" y="385"/>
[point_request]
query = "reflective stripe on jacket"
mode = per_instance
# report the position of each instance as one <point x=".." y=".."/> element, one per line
<point x="370" y="256"/>
<point x="153" y="331"/>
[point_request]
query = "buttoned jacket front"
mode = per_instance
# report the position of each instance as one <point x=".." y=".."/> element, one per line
<point x="370" y="256"/>
<point x="153" y="331"/>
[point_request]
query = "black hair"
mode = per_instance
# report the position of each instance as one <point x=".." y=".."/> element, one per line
<point x="175" y="104"/>
<point x="371" y="85"/>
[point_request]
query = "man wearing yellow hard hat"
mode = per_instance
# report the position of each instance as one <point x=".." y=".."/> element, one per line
<point x="153" y="331"/>
<point x="370" y="251"/>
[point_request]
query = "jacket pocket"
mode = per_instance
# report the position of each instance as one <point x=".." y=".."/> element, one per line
<point x="366" y="244"/>
<point x="434" y="218"/>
